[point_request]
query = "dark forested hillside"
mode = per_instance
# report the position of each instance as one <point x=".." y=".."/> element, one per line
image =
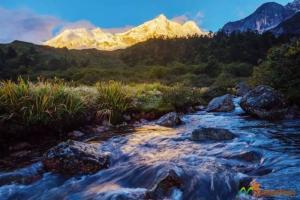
<point x="247" y="47"/>
<point x="195" y="61"/>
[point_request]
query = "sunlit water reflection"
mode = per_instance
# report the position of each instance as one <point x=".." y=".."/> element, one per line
<point x="207" y="169"/>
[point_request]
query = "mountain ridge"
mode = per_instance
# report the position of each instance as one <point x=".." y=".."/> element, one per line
<point x="160" y="26"/>
<point x="290" y="26"/>
<point x="266" y="17"/>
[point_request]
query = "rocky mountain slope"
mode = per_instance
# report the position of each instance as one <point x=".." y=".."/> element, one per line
<point x="290" y="26"/>
<point x="96" y="38"/>
<point x="266" y="17"/>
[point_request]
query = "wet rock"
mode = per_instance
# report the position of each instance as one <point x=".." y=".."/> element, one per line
<point x="293" y="112"/>
<point x="165" y="186"/>
<point x="127" y="117"/>
<point x="20" y="146"/>
<point x="191" y="110"/>
<point x="75" y="134"/>
<point x="169" y="120"/>
<point x="242" y="89"/>
<point x="217" y="134"/>
<point x="74" y="157"/>
<point x="262" y="171"/>
<point x="21" y="154"/>
<point x="199" y="108"/>
<point x="221" y="104"/>
<point x="249" y="156"/>
<point x="264" y="102"/>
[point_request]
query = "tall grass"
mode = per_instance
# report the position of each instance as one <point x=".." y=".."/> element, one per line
<point x="42" y="103"/>
<point x="56" y="105"/>
<point x="113" y="100"/>
<point x="180" y="96"/>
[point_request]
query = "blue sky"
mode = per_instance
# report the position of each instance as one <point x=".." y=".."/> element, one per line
<point x="209" y="14"/>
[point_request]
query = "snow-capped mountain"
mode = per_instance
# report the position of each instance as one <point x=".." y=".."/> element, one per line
<point x="266" y="17"/>
<point x="96" y="38"/>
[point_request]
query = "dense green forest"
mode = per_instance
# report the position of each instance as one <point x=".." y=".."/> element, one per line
<point x="216" y="61"/>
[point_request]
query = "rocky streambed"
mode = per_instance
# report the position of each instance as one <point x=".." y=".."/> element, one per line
<point x="211" y="155"/>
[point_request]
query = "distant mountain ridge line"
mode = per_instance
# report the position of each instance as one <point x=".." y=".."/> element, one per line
<point x="82" y="38"/>
<point x="265" y="18"/>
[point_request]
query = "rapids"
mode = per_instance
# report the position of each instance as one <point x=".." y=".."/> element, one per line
<point x="208" y="170"/>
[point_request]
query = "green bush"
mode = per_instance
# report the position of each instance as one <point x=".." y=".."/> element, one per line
<point x="281" y="70"/>
<point x="238" y="69"/>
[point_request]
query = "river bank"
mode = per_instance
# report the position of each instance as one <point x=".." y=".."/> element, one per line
<point x="144" y="156"/>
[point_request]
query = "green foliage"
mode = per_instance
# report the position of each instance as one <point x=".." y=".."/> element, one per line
<point x="158" y="60"/>
<point x="113" y="100"/>
<point x="238" y="69"/>
<point x="43" y="103"/>
<point x="281" y="70"/>
<point x="180" y="96"/>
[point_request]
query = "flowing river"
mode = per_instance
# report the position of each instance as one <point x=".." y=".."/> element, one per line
<point x="208" y="170"/>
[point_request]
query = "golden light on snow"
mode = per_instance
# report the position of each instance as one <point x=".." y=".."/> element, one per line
<point x="82" y="38"/>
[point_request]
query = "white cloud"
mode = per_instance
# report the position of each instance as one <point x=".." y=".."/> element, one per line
<point x="198" y="18"/>
<point x="181" y="19"/>
<point x="78" y="24"/>
<point x="26" y="26"/>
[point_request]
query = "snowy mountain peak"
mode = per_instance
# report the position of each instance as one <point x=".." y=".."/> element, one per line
<point x="160" y="26"/>
<point x="161" y="17"/>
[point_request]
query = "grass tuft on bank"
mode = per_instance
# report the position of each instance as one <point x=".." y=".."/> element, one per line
<point x="42" y="103"/>
<point x="58" y="105"/>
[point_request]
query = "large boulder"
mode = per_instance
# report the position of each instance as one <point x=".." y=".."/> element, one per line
<point x="221" y="104"/>
<point x="216" y="134"/>
<point x="165" y="186"/>
<point x="264" y="102"/>
<point x="74" y="157"/>
<point x="241" y="89"/>
<point x="169" y="120"/>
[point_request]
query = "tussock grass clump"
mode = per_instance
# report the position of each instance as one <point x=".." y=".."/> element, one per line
<point x="161" y="98"/>
<point x="113" y="100"/>
<point x="57" y="106"/>
<point x="43" y="103"/>
<point x="180" y="96"/>
<point x="148" y="98"/>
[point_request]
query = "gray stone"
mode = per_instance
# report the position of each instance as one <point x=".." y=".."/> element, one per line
<point x="242" y="88"/>
<point x="20" y="146"/>
<point x="199" y="108"/>
<point x="221" y="104"/>
<point x="248" y="156"/>
<point x="264" y="102"/>
<point x="74" y="157"/>
<point x="169" y="120"/>
<point x="216" y="134"/>
<point x="75" y="134"/>
<point x="164" y="186"/>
